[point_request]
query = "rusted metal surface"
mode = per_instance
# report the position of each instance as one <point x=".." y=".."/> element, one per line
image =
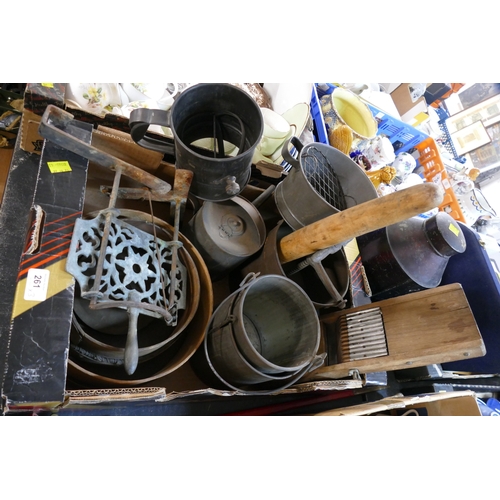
<point x="53" y="127"/>
<point x="182" y="184"/>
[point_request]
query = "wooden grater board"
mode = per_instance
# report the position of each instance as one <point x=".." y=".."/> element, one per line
<point x="422" y="328"/>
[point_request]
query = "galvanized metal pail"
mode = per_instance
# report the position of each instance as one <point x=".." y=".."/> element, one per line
<point x="230" y="362"/>
<point x="275" y="324"/>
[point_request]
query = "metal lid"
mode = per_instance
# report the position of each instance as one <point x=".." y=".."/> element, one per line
<point x="235" y="226"/>
<point x="444" y="235"/>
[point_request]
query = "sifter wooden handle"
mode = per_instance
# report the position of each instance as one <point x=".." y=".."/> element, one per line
<point x="360" y="219"/>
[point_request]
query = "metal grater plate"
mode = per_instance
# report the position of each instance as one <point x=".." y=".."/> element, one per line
<point x="362" y="335"/>
<point x="322" y="177"/>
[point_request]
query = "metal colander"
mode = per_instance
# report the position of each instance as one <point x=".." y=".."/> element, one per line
<point x="322" y="177"/>
<point x="321" y="182"/>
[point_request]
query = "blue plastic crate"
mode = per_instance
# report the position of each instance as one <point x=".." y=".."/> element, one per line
<point x="320" y="132"/>
<point x="447" y="142"/>
<point x="442" y="114"/>
<point x="403" y="136"/>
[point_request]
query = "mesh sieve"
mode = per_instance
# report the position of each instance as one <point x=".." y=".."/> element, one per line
<point x="321" y="176"/>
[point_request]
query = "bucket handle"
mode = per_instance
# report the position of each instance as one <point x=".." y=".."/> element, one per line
<point x="231" y="318"/>
<point x="247" y="280"/>
<point x="316" y="362"/>
<point x="141" y="119"/>
<point x="285" y="151"/>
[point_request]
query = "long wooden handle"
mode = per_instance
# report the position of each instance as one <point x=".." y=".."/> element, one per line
<point x="360" y="219"/>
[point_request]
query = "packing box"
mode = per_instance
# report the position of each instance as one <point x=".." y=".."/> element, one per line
<point x="459" y="403"/>
<point x="35" y="327"/>
<point x="43" y="197"/>
<point x="37" y="97"/>
<point x="406" y="106"/>
<point x="5" y="160"/>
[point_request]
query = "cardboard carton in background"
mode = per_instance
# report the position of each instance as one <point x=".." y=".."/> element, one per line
<point x="441" y="404"/>
<point x="5" y="159"/>
<point x="404" y="103"/>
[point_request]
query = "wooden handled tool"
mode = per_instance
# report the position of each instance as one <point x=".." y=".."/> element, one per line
<point x="360" y="219"/>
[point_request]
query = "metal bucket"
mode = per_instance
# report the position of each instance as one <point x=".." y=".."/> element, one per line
<point x="226" y="233"/>
<point x="210" y="370"/>
<point x="230" y="362"/>
<point x="322" y="181"/>
<point x="325" y="279"/>
<point x="218" y="113"/>
<point x="275" y="324"/>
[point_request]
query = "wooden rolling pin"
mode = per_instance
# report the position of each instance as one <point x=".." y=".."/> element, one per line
<point x="360" y="219"/>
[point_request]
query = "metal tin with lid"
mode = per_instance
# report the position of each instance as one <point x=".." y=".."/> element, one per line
<point x="411" y="255"/>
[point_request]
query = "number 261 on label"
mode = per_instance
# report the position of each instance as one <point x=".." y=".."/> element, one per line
<point x="37" y="284"/>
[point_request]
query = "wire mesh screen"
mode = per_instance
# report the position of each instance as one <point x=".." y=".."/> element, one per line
<point x="322" y="177"/>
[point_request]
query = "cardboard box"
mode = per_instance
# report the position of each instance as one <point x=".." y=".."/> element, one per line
<point x="406" y="106"/>
<point x="389" y="87"/>
<point x="31" y="140"/>
<point x="442" y="404"/>
<point x="36" y="341"/>
<point x="37" y="97"/>
<point x="37" y="216"/>
<point x="5" y="159"/>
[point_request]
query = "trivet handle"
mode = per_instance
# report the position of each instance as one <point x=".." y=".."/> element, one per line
<point x="131" y="359"/>
<point x="360" y="219"/>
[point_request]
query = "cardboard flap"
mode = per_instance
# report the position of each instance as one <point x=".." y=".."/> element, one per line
<point x="456" y="403"/>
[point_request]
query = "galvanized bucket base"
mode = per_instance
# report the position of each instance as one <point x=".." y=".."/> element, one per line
<point x="203" y="366"/>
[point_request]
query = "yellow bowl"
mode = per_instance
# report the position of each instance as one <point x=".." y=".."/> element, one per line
<point x="344" y="107"/>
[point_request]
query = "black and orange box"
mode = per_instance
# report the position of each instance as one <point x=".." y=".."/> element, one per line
<point x="43" y="198"/>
